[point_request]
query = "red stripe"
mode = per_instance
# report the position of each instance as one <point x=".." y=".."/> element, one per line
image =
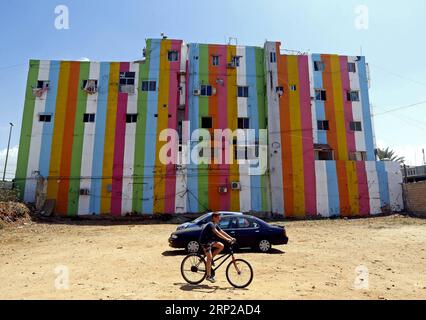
<point x="307" y="137"/>
<point x="120" y="136"/>
<point x="364" y="196"/>
<point x="169" y="205"/>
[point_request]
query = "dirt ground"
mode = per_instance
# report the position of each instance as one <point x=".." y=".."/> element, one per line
<point x="135" y="262"/>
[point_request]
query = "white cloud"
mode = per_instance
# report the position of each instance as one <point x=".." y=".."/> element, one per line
<point x="11" y="162"/>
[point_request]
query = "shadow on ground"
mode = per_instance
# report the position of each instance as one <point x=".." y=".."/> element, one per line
<point x="204" y="288"/>
<point x="183" y="253"/>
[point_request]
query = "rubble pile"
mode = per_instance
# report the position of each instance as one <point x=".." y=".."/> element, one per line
<point x="13" y="212"/>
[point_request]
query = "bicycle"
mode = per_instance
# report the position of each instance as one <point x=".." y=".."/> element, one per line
<point x="239" y="272"/>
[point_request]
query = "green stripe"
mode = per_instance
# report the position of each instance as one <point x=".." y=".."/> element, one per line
<point x="262" y="112"/>
<point x="139" y="159"/>
<point x="77" y="147"/>
<point x="203" y="169"/>
<point x="26" y="128"/>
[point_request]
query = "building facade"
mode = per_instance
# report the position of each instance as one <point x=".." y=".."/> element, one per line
<point x="94" y="132"/>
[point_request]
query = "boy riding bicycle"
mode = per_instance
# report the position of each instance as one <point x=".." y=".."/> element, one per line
<point x="208" y="240"/>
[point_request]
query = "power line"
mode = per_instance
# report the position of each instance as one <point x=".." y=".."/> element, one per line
<point x="398" y="75"/>
<point x="400" y="108"/>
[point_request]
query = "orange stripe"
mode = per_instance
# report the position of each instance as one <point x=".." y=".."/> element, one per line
<point x="67" y="142"/>
<point x="287" y="159"/>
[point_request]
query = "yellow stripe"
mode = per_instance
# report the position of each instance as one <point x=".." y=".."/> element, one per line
<point x="338" y="108"/>
<point x="296" y="138"/>
<point x="163" y="122"/>
<point x="232" y="114"/>
<point x="353" y="187"/>
<point x="58" y="131"/>
<point x="110" y="137"/>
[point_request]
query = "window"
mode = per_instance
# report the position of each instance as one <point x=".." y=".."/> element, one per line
<point x="89" y="117"/>
<point x="206" y="90"/>
<point x="293" y="87"/>
<point x="356" y="126"/>
<point x="206" y="123"/>
<point x="43" y="84"/>
<point x="235" y="61"/>
<point x="127" y="78"/>
<point x="90" y="86"/>
<point x="149" y="85"/>
<point x="351" y="67"/>
<point x="243" y="91"/>
<point x="224" y="223"/>
<point x="353" y="96"/>
<point x="323" y="125"/>
<point x="241" y="223"/>
<point x="45" y="118"/>
<point x="131" y="118"/>
<point x="173" y="56"/>
<point x="215" y="60"/>
<point x="358" y="156"/>
<point x="280" y="90"/>
<point x="319" y="66"/>
<point x="243" y="123"/>
<point x="323" y="152"/>
<point x="320" y="95"/>
<point x="273" y="57"/>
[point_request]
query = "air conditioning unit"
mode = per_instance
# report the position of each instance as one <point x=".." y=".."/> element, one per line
<point x="235" y="185"/>
<point x="129" y="89"/>
<point x="84" y="192"/>
<point x="214" y="91"/>
<point x="197" y="92"/>
<point x="223" y="189"/>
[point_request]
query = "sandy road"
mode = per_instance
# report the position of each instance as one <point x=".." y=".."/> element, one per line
<point x="135" y="262"/>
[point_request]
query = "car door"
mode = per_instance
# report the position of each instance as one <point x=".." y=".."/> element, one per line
<point x="245" y="230"/>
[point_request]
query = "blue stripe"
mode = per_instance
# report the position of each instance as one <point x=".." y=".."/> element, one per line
<point x="366" y="113"/>
<point x="47" y="134"/>
<point x="151" y="130"/>
<point x="251" y="76"/>
<point x="319" y="105"/>
<point x="99" y="140"/>
<point x="333" y="188"/>
<point x="193" y="105"/>
<point x="383" y="183"/>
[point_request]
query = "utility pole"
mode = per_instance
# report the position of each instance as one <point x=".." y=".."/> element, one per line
<point x="7" y="153"/>
<point x="424" y="158"/>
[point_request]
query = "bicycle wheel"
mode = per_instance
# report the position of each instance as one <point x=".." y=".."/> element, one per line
<point x="241" y="275"/>
<point x="193" y="269"/>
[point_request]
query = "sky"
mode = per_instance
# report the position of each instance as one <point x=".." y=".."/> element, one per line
<point x="391" y="37"/>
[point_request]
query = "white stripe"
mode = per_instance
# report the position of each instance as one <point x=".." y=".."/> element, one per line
<point x="36" y="137"/>
<point x="323" y="208"/>
<point x="373" y="187"/>
<point x="88" y="144"/>
<point x="394" y="173"/>
<point x="357" y="108"/>
<point x="129" y="147"/>
<point x="312" y="91"/>
<point x="243" y="112"/>
<point x="274" y="128"/>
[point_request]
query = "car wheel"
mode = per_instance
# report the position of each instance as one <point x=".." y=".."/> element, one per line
<point x="193" y="247"/>
<point x="264" y="246"/>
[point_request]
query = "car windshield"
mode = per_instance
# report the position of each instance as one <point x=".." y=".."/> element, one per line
<point x="199" y="219"/>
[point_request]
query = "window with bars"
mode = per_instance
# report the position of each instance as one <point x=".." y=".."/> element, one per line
<point x="206" y="90"/>
<point x="319" y="66"/>
<point x="45" y="117"/>
<point x="352" y="67"/>
<point x="173" y="56"/>
<point x="353" y="96"/>
<point x="243" y="91"/>
<point x="215" y="61"/>
<point x="206" y="122"/>
<point x="356" y="126"/>
<point x="273" y="57"/>
<point x="243" y="123"/>
<point x="88" y="117"/>
<point x="323" y="125"/>
<point x="320" y="95"/>
<point x="131" y="118"/>
<point x="149" y="85"/>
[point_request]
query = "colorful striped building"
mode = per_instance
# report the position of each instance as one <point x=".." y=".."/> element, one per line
<point x="92" y="131"/>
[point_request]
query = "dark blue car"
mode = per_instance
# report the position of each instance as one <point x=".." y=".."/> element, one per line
<point x="250" y="232"/>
